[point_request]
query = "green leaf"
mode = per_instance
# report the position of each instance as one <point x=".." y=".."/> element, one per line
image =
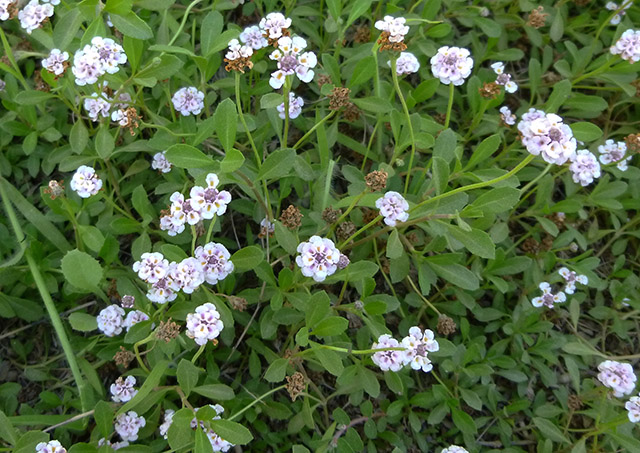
<point x="203" y="445"/>
<point x="210" y="29"/>
<point x="330" y="360"/>
<point x="394" y="246"/>
<point x="187" y="156"/>
<point x="586" y="132"/>
<point x="476" y="241"/>
<point x="328" y="327"/>
<point x="231" y="431"/>
<point x="247" y="258"/>
<point x="118" y="7"/>
<point x="463" y="421"/>
<point x="226" y="120"/>
<point x="440" y="174"/>
<point x="161" y="68"/>
<point x="32" y="97"/>
<point x="152" y="381"/>
<point x="79" y="137"/>
<point x="456" y="274"/>
<point x="233" y="160"/>
<point x="549" y="430"/>
<point x="105" y="143"/>
<point x="82" y="322"/>
<point x="445" y="145"/>
<point x="171" y="49"/>
<point x="277" y="370"/>
<point x="103" y="415"/>
<point x="358" y="9"/>
<point x="131" y="25"/>
<point x="560" y="93"/>
<point x="285" y="238"/>
<point x="494" y="201"/>
<point x="66" y="28"/>
<point x="81" y="270"/>
<point x="215" y="392"/>
<point x="364" y="70"/>
<point x="277" y="165"/>
<point x="485" y="149"/>
<point x="141" y="203"/>
<point x="187" y="375"/>
<point x="373" y="104"/>
<point x="270" y="100"/>
<point x="180" y="433"/>
<point x="7" y="431"/>
<point x="578" y="348"/>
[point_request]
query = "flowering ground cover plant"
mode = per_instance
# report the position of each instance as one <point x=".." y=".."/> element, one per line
<point x="319" y="226"/>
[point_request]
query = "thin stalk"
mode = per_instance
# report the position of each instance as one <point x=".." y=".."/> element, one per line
<point x="210" y="230"/>
<point x="184" y="20"/>
<point x="198" y="353"/>
<point x="315" y="126"/>
<point x="360" y="231"/>
<point x="349" y="209"/>
<point x="596" y="71"/>
<point x="46" y="298"/>
<point x="285" y="134"/>
<point x="256" y="401"/>
<point x="537" y="178"/>
<point x="449" y="106"/>
<point x="396" y="84"/>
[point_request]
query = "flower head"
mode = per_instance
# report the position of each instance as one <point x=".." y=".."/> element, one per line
<point x="53" y="446"/>
<point x="584" y="167"/>
<point x="388" y="360"/>
<point x="188" y="274"/>
<point x="204" y="325"/>
<point x="152" y="267"/>
<point x="113" y="445"/>
<point x="165" y="289"/>
<point x="97" y="105"/>
<point x="611" y="6"/>
<point x="548" y="299"/>
<point x="614" y="152"/>
<point x="419" y="344"/>
<point x="394" y="26"/>
<point x="214" y="261"/>
<point x="275" y="26"/>
<point x="111" y="320"/>
<point x="188" y="101"/>
<point x="452" y="65"/>
<point x="633" y="409"/>
<point x="238" y="57"/>
<point x="407" y="63"/>
<point x="545" y="134"/>
<point x="292" y="60"/>
<point x="161" y="163"/>
<point x="208" y="200"/>
<point x="628" y="46"/>
<point x="166" y="423"/>
<point x="85" y="182"/>
<point x="393" y="207"/>
<point x="109" y="54"/>
<point x="56" y="62"/>
<point x="454" y="449"/>
<point x="133" y="318"/>
<point x="94" y="60"/>
<point x="318" y="258"/>
<point x="617" y="376"/>
<point x="295" y="107"/>
<point x="570" y="277"/>
<point x="252" y="36"/>
<point x="123" y="389"/>
<point x="34" y="14"/>
<point x="506" y="116"/>
<point x="127" y="425"/>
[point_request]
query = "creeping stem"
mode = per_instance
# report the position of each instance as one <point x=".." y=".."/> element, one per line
<point x="449" y="105"/>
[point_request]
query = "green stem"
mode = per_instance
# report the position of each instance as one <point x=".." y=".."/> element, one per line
<point x="210" y="230"/>
<point x="256" y="401"/>
<point x="348" y="351"/>
<point x="198" y="353"/>
<point x="449" y="106"/>
<point x="360" y="231"/>
<point x="315" y="126"/>
<point x="184" y="21"/>
<point x="377" y="91"/>
<point x="194" y="238"/>
<point x="285" y="134"/>
<point x="537" y="178"/>
<point x="596" y="71"/>
<point x="46" y="298"/>
<point x="442" y="383"/>
<point x="396" y="84"/>
<point x="349" y="209"/>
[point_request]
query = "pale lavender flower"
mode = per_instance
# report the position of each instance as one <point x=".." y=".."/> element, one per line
<point x="237" y="51"/>
<point x="388" y="360"/>
<point x="617" y="376"/>
<point x="34" y="14"/>
<point x="97" y="105"/>
<point x="111" y="320"/>
<point x="120" y="116"/>
<point x="507" y="117"/>
<point x="113" y="445"/>
<point x="344" y="261"/>
<point x="452" y="65"/>
<point x="204" y="325"/>
<point x="454" y="449"/>
<point x="127" y="425"/>
<point x="85" y="182"/>
<point x="295" y="107"/>
<point x="55" y="62"/>
<point x="628" y="46"/>
<point x="53" y="446"/>
<point x="110" y="54"/>
<point x="252" y="36"/>
<point x="633" y="409"/>
<point x="291" y="60"/>
<point x="188" y="101"/>
<point x="188" y="275"/>
<point x="393" y="207"/>
<point x="273" y="24"/>
<point x="133" y="318"/>
<point x="87" y="66"/>
<point x="209" y="201"/>
<point x="127" y="301"/>
<point x="548" y="299"/>
<point x="611" y="6"/>
<point x="123" y="389"/>
<point x="395" y="26"/>
<point x="214" y="261"/>
<point x="418" y="344"/>
<point x="318" y="258"/>
<point x="165" y="289"/>
<point x="570" y="277"/>
<point x="614" y="152"/>
<point x="166" y="423"/>
<point x="4" y="9"/>
<point x="545" y="134"/>
<point x="173" y="225"/>
<point x="216" y="407"/>
<point x="407" y="63"/>
<point x="161" y="163"/>
<point x="152" y="267"/>
<point x="217" y="442"/>
<point x="584" y="167"/>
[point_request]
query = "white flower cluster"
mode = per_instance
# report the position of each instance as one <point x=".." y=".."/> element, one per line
<point x="133" y="318"/>
<point x="614" y="152"/>
<point x="217" y="442"/>
<point x="94" y="60"/>
<point x="507" y="117"/>
<point x="628" y="46"/>
<point x="292" y="60"/>
<point x="252" y="36"/>
<point x="503" y="78"/>
<point x="205" y="202"/>
<point x="584" y="167"/>
<point x="452" y="65"/>
<point x="318" y="258"/>
<point x="237" y="51"/>
<point x="273" y="26"/>
<point x="34" y="14"/>
<point x="548" y="299"/>
<point x="110" y="320"/>
<point x="127" y="425"/>
<point x="188" y="101"/>
<point x="571" y="278"/>
<point x="97" y="105"/>
<point x="633" y="409"/>
<point x="295" y="107"/>
<point x="611" y="6"/>
<point x="123" y="389"/>
<point x="55" y="62"/>
<point x="455" y="449"/>
<point x="4" y="9"/>
<point x="415" y="353"/>
<point x="545" y="134"/>
<point x="395" y="26"/>
<point x="53" y="446"/>
<point x="204" y="325"/>
<point x="161" y="163"/>
<point x="393" y="207"/>
<point x="617" y="376"/>
<point x="407" y="63"/>
<point x="113" y="445"/>
<point x="85" y="182"/>
<point x="166" y="422"/>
